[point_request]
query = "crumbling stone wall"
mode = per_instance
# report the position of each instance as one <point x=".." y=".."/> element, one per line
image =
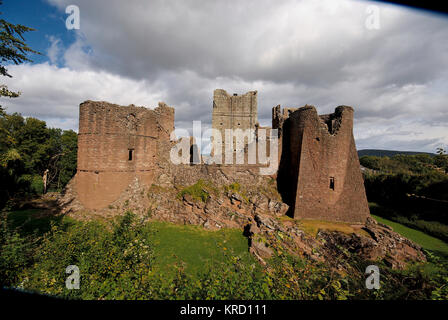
<point x="319" y="172"/>
<point x="234" y="112"/>
<point x="279" y="116"/>
<point x="116" y="145"/>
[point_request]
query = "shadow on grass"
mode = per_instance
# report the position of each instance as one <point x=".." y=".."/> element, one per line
<point x="34" y="221"/>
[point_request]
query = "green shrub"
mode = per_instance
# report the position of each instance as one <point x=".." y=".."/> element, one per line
<point x="198" y="191"/>
<point x="117" y="261"/>
<point x="233" y="187"/>
<point x="113" y="264"/>
<point x="32" y="183"/>
<point x="14" y="257"/>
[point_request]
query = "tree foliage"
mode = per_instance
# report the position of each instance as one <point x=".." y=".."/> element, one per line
<point x="19" y="158"/>
<point x="394" y="178"/>
<point x="410" y="189"/>
<point x="13" y="49"/>
<point x="27" y="149"/>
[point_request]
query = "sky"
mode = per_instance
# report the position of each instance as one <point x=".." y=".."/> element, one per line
<point x="388" y="62"/>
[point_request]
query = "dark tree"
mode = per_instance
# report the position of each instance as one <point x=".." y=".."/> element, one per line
<point x="13" y="49"/>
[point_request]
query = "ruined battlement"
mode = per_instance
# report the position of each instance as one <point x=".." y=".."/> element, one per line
<point x="318" y="177"/>
<point x="329" y="123"/>
<point x="116" y="144"/>
<point x="234" y="111"/>
<point x="319" y="166"/>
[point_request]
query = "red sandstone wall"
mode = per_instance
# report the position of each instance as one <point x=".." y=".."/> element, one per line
<point x="106" y="134"/>
<point x="315" y="148"/>
<point x="317" y="153"/>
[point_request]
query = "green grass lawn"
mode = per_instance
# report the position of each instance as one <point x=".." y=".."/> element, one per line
<point x="195" y="246"/>
<point x="427" y="242"/>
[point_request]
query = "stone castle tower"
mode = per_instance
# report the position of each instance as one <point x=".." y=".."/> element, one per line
<point x="319" y="173"/>
<point x="234" y="112"/>
<point x="116" y="145"/>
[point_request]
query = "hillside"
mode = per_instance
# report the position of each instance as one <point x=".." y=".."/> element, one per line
<point x="409" y="189"/>
<point x="388" y="153"/>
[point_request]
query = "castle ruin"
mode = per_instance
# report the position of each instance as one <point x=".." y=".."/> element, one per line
<point x="234" y="112"/>
<point x="319" y="174"/>
<point x="115" y="145"/>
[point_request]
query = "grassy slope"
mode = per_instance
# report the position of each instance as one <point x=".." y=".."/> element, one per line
<point x="426" y="241"/>
<point x="197" y="247"/>
<point x="194" y="245"/>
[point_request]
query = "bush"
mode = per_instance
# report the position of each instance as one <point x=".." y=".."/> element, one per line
<point x="117" y="261"/>
<point x="14" y="257"/>
<point x="31" y="183"/>
<point x="197" y="191"/>
<point x="233" y="187"/>
<point x="37" y="185"/>
<point x="113" y="265"/>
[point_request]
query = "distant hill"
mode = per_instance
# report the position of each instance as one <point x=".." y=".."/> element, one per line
<point x="388" y="153"/>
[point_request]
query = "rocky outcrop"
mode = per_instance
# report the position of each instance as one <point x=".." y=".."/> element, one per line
<point x="256" y="208"/>
<point x="377" y="242"/>
<point x="68" y="199"/>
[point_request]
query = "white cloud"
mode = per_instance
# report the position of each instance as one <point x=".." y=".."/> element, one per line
<point x="292" y="52"/>
<point x="78" y="55"/>
<point x="311" y="42"/>
<point x="54" y="94"/>
<point x="54" y="51"/>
